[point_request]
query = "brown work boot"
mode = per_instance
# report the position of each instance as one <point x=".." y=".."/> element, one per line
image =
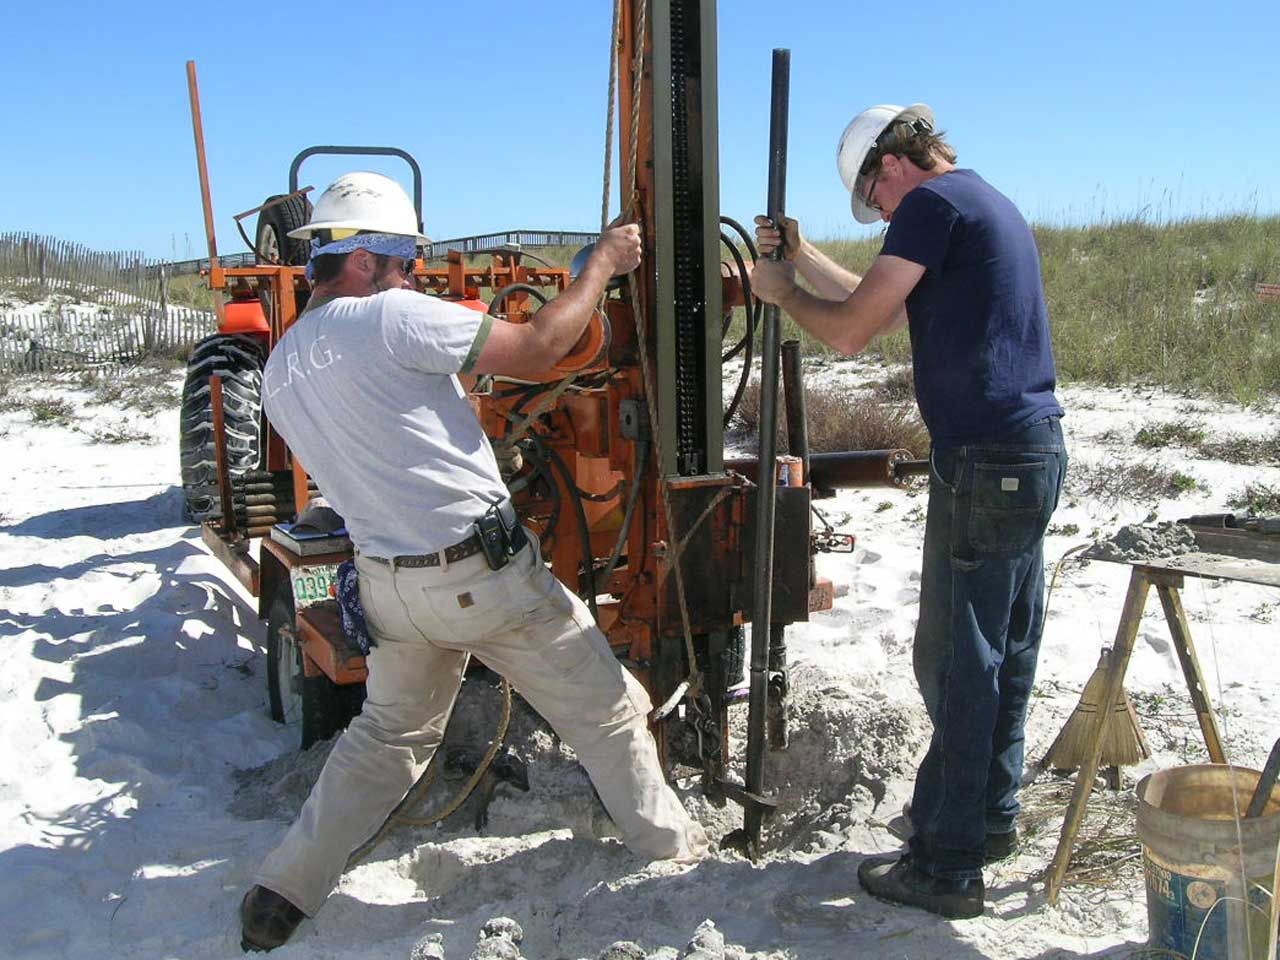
<point x="894" y="879"/>
<point x="266" y="919"/>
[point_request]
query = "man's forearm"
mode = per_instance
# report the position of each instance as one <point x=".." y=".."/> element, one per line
<point x="829" y="280"/>
<point x="828" y="320"/>
<point x="561" y="322"/>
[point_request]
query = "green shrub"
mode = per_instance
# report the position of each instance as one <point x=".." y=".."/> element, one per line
<point x="1126" y="481"/>
<point x="1257" y="498"/>
<point x="120" y="433"/>
<point x="52" y="412"/>
<point x="1239" y="448"/>
<point x="1158" y="435"/>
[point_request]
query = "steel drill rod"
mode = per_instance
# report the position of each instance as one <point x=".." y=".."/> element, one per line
<point x="793" y="394"/>
<point x="766" y="475"/>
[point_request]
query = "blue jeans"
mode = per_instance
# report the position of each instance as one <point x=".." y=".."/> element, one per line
<point x="978" y="637"/>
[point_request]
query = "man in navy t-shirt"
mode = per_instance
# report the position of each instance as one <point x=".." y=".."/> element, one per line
<point x="960" y="267"/>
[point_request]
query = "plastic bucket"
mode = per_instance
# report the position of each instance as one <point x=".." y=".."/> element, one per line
<point x="1208" y="870"/>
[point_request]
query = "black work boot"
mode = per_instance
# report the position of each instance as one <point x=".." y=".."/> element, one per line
<point x="894" y="879"/>
<point x="266" y="919"/>
<point x="1000" y="846"/>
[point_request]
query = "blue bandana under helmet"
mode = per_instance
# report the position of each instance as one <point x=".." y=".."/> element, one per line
<point x="387" y="244"/>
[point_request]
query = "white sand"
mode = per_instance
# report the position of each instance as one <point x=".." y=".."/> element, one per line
<point x="134" y="711"/>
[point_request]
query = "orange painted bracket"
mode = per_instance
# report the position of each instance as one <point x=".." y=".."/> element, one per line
<point x="233" y="553"/>
<point x="325" y="648"/>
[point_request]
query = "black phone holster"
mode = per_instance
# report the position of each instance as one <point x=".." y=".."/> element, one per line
<point x="501" y="534"/>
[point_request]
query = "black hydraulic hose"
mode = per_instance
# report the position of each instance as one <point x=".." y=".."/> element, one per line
<point x="748" y="339"/>
<point x="742" y="232"/>
<point x="747" y="296"/>
<point x="746" y="370"/>
<point x="517" y="288"/>
<point x="519" y="389"/>
<point x="542" y="469"/>
<point x="584" y="530"/>
<point x="633" y="495"/>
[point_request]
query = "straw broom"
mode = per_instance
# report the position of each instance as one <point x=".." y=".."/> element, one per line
<point x="1122" y="740"/>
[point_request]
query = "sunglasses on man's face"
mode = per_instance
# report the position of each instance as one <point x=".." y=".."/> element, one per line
<point x="868" y="197"/>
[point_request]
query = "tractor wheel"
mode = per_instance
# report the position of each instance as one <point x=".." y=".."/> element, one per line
<point x="239" y="359"/>
<point x="273" y="244"/>
<point x="315" y="706"/>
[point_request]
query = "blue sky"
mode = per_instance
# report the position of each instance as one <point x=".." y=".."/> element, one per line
<point x="1077" y="111"/>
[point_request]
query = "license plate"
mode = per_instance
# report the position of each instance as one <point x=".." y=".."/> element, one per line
<point x="311" y="584"/>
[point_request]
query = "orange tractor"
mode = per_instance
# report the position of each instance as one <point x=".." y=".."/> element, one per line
<point x="624" y="477"/>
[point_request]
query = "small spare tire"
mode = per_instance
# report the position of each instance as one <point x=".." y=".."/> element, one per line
<point x="273" y="243"/>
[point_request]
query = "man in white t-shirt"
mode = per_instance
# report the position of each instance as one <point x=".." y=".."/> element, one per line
<point x="364" y="389"/>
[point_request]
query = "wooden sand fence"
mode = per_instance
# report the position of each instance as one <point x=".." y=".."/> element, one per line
<point x="89" y="308"/>
<point x="40" y="267"/>
<point x="72" y="339"/>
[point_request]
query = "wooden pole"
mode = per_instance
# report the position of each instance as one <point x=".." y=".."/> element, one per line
<point x="1126" y="635"/>
<point x="206" y="199"/>
<point x="1167" y="587"/>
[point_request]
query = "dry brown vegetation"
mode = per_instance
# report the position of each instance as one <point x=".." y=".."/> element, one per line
<point x="841" y="420"/>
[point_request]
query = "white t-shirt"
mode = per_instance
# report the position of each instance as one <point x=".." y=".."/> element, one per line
<point x="365" y="392"/>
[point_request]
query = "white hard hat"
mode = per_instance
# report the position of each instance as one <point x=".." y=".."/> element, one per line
<point x="857" y="141"/>
<point x="363" y="201"/>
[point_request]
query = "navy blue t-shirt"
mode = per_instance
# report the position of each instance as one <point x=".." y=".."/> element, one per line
<point x="979" y="326"/>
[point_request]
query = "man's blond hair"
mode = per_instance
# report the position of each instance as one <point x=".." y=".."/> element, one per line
<point x="914" y="140"/>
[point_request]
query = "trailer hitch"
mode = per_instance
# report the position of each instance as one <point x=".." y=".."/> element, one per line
<point x="828" y="541"/>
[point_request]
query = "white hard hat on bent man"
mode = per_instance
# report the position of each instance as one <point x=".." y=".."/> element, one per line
<point x="863" y="143"/>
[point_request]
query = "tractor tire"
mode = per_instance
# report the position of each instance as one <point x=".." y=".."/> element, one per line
<point x="284" y="661"/>
<point x="316" y="707"/>
<point x="239" y="359"/>
<point x="273" y="245"/>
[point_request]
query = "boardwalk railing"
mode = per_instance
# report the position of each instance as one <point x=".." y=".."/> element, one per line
<point x="482" y="243"/>
<point x="192" y="268"/>
<point x="523" y="238"/>
<point x="84" y="339"/>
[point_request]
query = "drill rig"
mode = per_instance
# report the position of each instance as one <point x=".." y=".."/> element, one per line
<point x="623" y="472"/>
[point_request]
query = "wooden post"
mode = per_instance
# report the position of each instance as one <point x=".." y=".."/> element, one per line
<point x="1118" y="662"/>
<point x="1167" y="586"/>
<point x="164" y="299"/>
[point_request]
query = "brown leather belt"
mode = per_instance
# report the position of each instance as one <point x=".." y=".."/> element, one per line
<point x="452" y="554"/>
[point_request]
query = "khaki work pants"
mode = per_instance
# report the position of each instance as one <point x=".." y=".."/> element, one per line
<point x="523" y="623"/>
